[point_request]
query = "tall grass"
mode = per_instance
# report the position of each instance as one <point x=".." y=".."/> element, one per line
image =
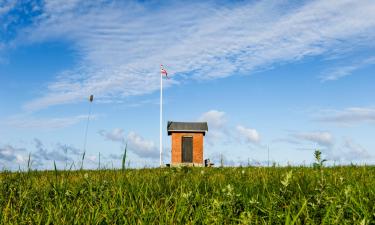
<point x="124" y="157"/>
<point x="251" y="195"/>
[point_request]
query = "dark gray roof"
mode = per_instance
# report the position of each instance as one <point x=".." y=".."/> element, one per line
<point x="196" y="127"/>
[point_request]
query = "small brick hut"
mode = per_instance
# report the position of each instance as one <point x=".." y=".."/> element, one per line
<point x="187" y="142"/>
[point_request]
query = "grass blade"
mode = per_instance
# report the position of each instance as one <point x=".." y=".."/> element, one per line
<point x="124" y="157"/>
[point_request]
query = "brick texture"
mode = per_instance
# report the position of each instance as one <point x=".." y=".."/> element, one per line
<point x="177" y="147"/>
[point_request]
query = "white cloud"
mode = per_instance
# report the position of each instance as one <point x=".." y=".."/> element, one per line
<point x="122" y="44"/>
<point x="92" y="158"/>
<point x="11" y="153"/>
<point x="217" y="129"/>
<point x="250" y="135"/>
<point x="6" y="6"/>
<point x="350" y="151"/>
<point x="344" y="150"/>
<point x="116" y="134"/>
<point x="43" y="154"/>
<point x="64" y="155"/>
<point x="57" y="7"/>
<point x="215" y="119"/>
<point x="342" y="71"/>
<point x="21" y="121"/>
<point x="220" y="132"/>
<point x="348" y="115"/>
<point x="136" y="143"/>
<point x="319" y="137"/>
<point x="21" y="158"/>
<point x="68" y="149"/>
<point x="354" y="150"/>
<point x="142" y="147"/>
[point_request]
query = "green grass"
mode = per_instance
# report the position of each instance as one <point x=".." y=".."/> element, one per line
<point x="292" y="195"/>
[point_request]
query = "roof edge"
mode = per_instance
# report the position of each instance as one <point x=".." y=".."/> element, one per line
<point x="174" y="126"/>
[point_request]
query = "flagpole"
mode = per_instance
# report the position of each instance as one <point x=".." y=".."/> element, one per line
<point x="161" y="118"/>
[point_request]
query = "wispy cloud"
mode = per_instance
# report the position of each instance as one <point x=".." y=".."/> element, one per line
<point x="122" y="44"/>
<point x="348" y="116"/>
<point x="6" y="6"/>
<point x="21" y="121"/>
<point x="344" y="150"/>
<point x="350" y="151"/>
<point x="354" y="150"/>
<point x="322" y="138"/>
<point x="343" y="71"/>
<point x="116" y="135"/>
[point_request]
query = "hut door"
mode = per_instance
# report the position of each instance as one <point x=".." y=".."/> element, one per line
<point x="187" y="149"/>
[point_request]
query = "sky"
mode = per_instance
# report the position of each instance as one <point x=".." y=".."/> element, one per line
<point x="275" y="80"/>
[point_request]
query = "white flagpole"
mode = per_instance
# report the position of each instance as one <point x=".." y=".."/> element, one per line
<point x="161" y="118"/>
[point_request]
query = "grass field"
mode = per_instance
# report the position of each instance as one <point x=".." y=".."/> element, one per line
<point x="247" y="195"/>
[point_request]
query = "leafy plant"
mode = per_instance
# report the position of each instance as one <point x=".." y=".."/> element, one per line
<point x="319" y="162"/>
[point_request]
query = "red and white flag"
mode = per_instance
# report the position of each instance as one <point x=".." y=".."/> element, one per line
<point x="163" y="71"/>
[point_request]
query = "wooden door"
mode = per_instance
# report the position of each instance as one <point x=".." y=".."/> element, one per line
<point x="187" y="149"/>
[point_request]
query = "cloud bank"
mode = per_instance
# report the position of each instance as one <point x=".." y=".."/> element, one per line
<point x="320" y="137"/>
<point x="353" y="115"/>
<point x="22" y="121"/>
<point x="41" y="157"/>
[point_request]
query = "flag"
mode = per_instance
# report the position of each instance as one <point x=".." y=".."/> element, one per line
<point x="163" y="71"/>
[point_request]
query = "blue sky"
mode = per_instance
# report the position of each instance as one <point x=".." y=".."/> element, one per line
<point x="291" y="76"/>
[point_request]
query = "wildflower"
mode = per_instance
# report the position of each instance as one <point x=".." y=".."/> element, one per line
<point x="186" y="195"/>
<point x="228" y="190"/>
<point x="86" y="175"/>
<point x="347" y="190"/>
<point x="68" y="193"/>
<point x="253" y="201"/>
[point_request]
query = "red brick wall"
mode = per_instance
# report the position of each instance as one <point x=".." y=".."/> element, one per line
<point x="177" y="147"/>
